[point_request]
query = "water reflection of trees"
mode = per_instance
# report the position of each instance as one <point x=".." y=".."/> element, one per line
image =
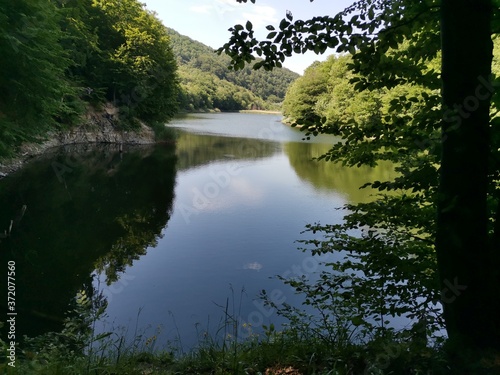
<point x="103" y="210"/>
<point x="195" y="150"/>
<point x="332" y="176"/>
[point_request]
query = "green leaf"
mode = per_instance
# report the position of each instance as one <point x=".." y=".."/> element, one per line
<point x="357" y="320"/>
<point x="284" y="24"/>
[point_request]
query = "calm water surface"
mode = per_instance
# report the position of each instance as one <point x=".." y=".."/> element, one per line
<point x="170" y="235"/>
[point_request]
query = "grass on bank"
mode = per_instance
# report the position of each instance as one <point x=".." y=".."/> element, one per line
<point x="273" y="353"/>
<point x="306" y="345"/>
<point x="301" y="348"/>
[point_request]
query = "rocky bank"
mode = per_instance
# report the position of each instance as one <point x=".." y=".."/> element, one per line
<point x="96" y="127"/>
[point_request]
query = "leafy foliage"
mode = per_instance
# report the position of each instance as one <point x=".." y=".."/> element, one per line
<point x="384" y="101"/>
<point x="34" y="93"/>
<point x="57" y="56"/>
<point x="387" y="266"/>
<point x="139" y="71"/>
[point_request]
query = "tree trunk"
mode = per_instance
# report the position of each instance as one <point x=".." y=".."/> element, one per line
<point x="465" y="256"/>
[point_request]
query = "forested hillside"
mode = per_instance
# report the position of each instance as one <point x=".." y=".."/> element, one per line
<point x="61" y="58"/>
<point x="326" y="93"/>
<point x="207" y="83"/>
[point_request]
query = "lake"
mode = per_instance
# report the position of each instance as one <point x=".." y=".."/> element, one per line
<point x="174" y="237"/>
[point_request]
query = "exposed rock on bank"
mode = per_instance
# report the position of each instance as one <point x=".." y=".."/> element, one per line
<point x="96" y="127"/>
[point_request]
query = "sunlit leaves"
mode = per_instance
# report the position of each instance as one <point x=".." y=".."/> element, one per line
<point x="138" y="65"/>
<point x="35" y="94"/>
<point x="56" y="55"/>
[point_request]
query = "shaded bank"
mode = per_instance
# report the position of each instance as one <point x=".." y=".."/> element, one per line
<point x="96" y="127"/>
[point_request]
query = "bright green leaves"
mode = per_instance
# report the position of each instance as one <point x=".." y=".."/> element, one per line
<point x="204" y="91"/>
<point x="138" y="67"/>
<point x="55" y="56"/>
<point x="35" y="94"/>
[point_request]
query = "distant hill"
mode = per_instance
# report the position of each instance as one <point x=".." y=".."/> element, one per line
<point x="207" y="83"/>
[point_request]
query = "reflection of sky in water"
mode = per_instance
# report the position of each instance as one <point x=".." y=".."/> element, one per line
<point x="239" y="206"/>
<point x="245" y="125"/>
<point x="233" y="225"/>
<point x="256" y="266"/>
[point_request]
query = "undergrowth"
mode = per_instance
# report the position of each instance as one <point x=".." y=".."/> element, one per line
<point x="295" y="349"/>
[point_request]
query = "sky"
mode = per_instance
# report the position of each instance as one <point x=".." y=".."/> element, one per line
<point x="208" y="21"/>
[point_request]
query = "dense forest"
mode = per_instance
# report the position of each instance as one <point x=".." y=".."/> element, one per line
<point x="327" y="93"/>
<point x="208" y="84"/>
<point x="61" y="57"/>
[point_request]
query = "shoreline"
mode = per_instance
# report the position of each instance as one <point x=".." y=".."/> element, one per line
<point x="96" y="128"/>
<point x="261" y="111"/>
<point x="257" y="111"/>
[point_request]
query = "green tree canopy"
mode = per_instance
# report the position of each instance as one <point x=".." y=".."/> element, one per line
<point x="137" y="65"/>
<point x="34" y="91"/>
<point x="57" y="56"/>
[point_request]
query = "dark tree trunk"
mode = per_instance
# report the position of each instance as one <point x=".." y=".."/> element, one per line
<point x="465" y="255"/>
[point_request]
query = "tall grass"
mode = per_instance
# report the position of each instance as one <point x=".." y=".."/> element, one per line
<point x="296" y="349"/>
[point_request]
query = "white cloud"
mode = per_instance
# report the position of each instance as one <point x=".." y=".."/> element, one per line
<point x="225" y="7"/>
<point x="260" y="16"/>
<point x="239" y="192"/>
<point x="230" y="10"/>
<point x="216" y="7"/>
<point x="204" y="9"/>
<point x="256" y="266"/>
<point x="246" y="191"/>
